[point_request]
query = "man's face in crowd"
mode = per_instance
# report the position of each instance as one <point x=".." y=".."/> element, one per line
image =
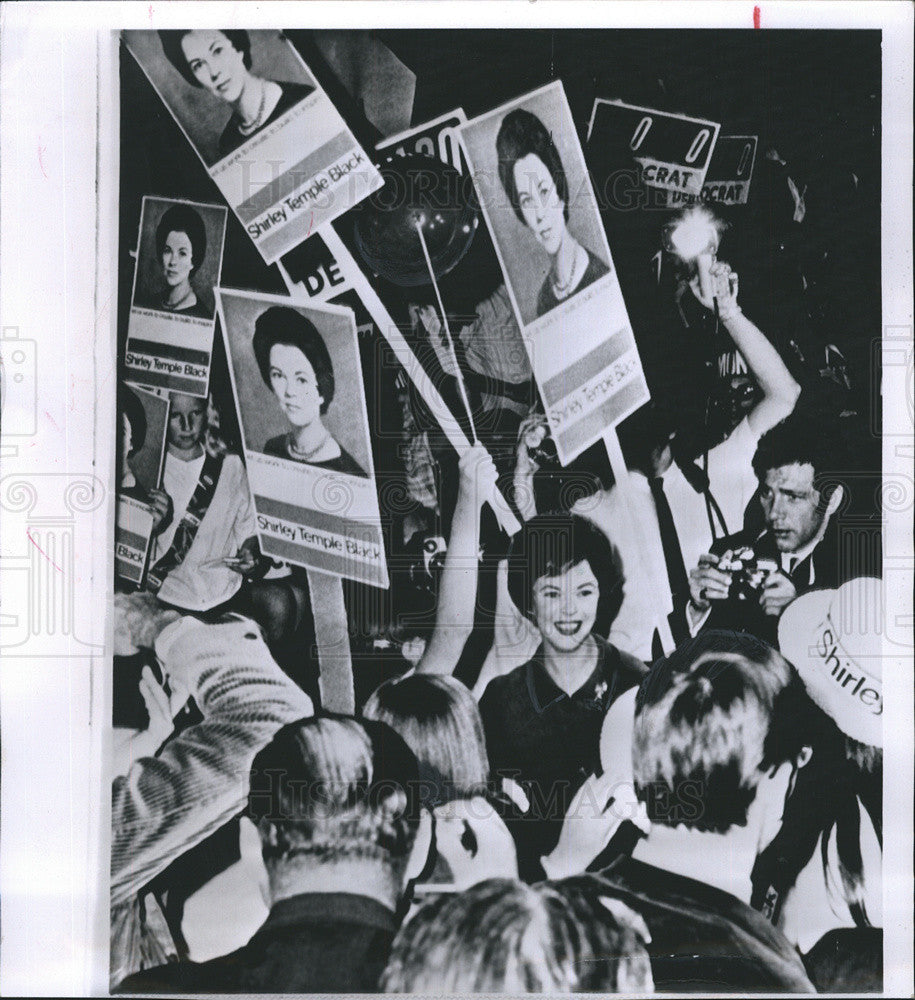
<point x="565" y="607"/>
<point x="791" y="505"/>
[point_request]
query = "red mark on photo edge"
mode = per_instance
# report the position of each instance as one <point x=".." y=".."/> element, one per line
<point x="150" y="12"/>
<point x="756" y="17"/>
<point x="41" y="151"/>
<point x="53" y="421"/>
<point x="310" y="224"/>
<point x="42" y="551"/>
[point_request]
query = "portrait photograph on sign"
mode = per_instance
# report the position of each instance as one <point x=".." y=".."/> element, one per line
<point x="301" y="404"/>
<point x="270" y="138"/>
<point x="143" y="418"/>
<point x="534" y="188"/>
<point x="173" y="312"/>
<point x="147" y="434"/>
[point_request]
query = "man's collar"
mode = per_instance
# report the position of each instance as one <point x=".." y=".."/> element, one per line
<point x="329" y="907"/>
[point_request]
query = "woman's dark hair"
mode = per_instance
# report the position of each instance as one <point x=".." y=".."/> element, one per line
<point x="550" y="545"/>
<point x="283" y="325"/>
<point x="171" y="45"/>
<point x="843" y="777"/>
<point x="521" y="134"/>
<point x="130" y="405"/>
<point x="183" y="219"/>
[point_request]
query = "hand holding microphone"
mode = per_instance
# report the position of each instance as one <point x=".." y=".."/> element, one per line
<point x="716" y="282"/>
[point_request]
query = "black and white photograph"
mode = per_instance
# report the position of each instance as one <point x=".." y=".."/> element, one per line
<point x="179" y="256"/>
<point x="143" y="418"/>
<point x="223" y="86"/>
<point x="460" y="539"/>
<point x="301" y="406"/>
<point x="144" y="429"/>
<point x="275" y="145"/>
<point x="527" y="161"/>
<point x="538" y="199"/>
<point x="173" y="312"/>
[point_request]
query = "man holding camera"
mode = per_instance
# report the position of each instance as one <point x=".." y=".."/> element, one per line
<point x="748" y="579"/>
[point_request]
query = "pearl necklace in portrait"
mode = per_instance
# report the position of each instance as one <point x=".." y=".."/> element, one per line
<point x="246" y="128"/>
<point x="306" y="456"/>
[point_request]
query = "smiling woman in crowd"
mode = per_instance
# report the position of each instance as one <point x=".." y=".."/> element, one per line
<point x="220" y="61"/>
<point x="542" y="720"/>
<point x="295" y="365"/>
<point x="533" y="177"/>
<point x="181" y="246"/>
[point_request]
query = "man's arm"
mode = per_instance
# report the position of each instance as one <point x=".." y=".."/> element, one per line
<point x="780" y="391"/>
<point x="167" y="804"/>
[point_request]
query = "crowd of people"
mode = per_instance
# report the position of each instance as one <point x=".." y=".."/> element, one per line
<point x="637" y="746"/>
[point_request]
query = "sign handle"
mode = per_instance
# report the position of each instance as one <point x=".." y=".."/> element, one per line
<point x="404" y="353"/>
<point x="335" y="662"/>
<point x="459" y="375"/>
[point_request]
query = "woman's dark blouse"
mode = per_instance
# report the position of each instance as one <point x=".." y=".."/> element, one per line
<point x="547" y="300"/>
<point x="232" y="138"/>
<point x="549" y="741"/>
<point x="199" y="310"/>
<point x="344" y="462"/>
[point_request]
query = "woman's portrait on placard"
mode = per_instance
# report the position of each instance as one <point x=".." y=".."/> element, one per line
<point x="298" y="383"/>
<point x="544" y="220"/>
<point x="296" y="366"/>
<point x="179" y="257"/>
<point x="224" y="86"/>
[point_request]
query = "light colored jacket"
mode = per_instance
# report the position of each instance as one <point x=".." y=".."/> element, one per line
<point x="166" y="804"/>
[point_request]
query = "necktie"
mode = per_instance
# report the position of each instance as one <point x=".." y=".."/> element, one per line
<point x="673" y="559"/>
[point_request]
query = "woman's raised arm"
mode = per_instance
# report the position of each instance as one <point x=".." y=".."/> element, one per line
<point x="458" y="590"/>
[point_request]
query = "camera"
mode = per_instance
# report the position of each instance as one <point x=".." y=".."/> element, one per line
<point x="545" y="454"/>
<point x="748" y="574"/>
<point x="426" y="559"/>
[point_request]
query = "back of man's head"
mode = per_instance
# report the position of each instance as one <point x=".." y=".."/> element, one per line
<point x="706" y="736"/>
<point x="331" y="790"/>
<point x="502" y="936"/>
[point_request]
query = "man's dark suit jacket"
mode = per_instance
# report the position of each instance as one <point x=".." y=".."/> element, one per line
<point x="823" y="569"/>
<point x="312" y="943"/>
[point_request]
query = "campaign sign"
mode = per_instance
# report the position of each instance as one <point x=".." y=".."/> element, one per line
<point x="727" y="181"/>
<point x="133" y="531"/>
<point x="557" y="265"/>
<point x="439" y="138"/>
<point x="147" y="457"/>
<point x="289" y="168"/>
<point x="673" y="151"/>
<point x="297" y="379"/>
<point x="172" y="309"/>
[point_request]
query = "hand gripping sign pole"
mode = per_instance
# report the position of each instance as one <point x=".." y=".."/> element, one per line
<point x="404" y="354"/>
